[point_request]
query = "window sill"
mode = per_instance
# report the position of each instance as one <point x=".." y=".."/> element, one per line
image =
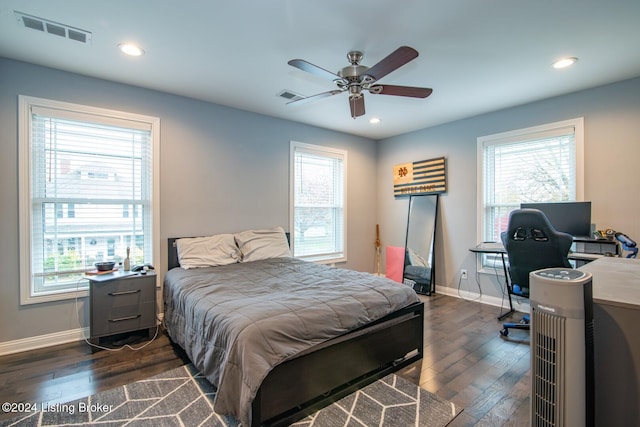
<point x="492" y="271"/>
<point x="323" y="260"/>
<point x="58" y="296"/>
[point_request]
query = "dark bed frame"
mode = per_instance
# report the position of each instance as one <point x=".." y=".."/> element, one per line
<point x="333" y="370"/>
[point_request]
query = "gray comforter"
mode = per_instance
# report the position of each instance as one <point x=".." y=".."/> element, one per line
<point x="237" y="322"/>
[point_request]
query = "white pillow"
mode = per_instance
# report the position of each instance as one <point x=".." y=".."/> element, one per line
<point x="416" y="259"/>
<point x="263" y="244"/>
<point x="209" y="251"/>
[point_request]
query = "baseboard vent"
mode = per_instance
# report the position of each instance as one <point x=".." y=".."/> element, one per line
<point x="53" y="28"/>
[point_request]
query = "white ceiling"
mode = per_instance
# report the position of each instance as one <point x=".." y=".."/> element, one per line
<point x="477" y="55"/>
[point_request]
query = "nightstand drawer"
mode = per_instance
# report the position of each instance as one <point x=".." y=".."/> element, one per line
<point x="124" y="291"/>
<point x="124" y="318"/>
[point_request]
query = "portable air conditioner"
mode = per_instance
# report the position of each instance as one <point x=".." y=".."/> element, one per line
<point x="562" y="369"/>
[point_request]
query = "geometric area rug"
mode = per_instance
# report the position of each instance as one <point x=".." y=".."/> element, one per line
<point x="183" y="397"/>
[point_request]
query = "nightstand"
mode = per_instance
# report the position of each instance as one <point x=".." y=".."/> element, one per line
<point x="121" y="302"/>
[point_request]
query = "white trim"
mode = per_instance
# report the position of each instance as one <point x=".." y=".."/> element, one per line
<point x="321" y="150"/>
<point x="41" y="341"/>
<point x="522" y="307"/>
<point x="50" y="340"/>
<point x="577" y="124"/>
<point x="24" y="195"/>
<point x="83" y="112"/>
<point x="479" y="191"/>
<point x="579" y="139"/>
<point x="156" y="238"/>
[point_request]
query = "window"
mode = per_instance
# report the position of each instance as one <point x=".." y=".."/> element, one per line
<point x="80" y="169"/>
<point x="538" y="164"/>
<point x="318" y="202"/>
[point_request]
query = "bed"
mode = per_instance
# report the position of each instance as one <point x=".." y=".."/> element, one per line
<point x="281" y="338"/>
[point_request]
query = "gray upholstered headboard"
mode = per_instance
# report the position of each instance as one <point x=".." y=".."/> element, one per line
<point x="172" y="253"/>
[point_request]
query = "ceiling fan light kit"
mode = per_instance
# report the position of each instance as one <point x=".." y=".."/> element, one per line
<point x="356" y="78"/>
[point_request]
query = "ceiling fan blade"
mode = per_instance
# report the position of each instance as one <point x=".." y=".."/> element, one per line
<point x="313" y="69"/>
<point x="414" y="92"/>
<point x="315" y="97"/>
<point x="395" y="60"/>
<point x="356" y="103"/>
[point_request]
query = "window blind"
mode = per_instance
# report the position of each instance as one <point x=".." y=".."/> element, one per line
<point x="318" y="203"/>
<point x="91" y="184"/>
<point x="529" y="167"/>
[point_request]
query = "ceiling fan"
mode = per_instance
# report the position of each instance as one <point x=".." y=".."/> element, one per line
<point x="356" y="78"/>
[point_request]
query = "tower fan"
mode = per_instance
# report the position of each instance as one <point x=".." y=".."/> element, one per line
<point x="562" y="368"/>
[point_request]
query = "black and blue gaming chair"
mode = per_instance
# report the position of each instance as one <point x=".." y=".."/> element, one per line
<point x="531" y="243"/>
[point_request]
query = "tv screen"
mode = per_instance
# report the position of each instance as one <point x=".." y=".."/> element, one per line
<point x="569" y="217"/>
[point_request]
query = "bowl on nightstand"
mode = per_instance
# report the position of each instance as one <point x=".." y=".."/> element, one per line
<point x="105" y="266"/>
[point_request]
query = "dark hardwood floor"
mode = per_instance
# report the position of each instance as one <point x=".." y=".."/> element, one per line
<point x="466" y="361"/>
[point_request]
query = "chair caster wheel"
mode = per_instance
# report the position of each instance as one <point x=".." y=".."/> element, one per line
<point x="504" y="332"/>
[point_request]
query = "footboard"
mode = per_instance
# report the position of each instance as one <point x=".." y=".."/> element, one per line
<point x="316" y="379"/>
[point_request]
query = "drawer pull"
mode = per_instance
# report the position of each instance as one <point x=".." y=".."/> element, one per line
<point x="115" y="294"/>
<point x="121" y="319"/>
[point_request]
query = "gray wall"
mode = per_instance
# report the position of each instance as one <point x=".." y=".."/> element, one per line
<point x="612" y="157"/>
<point x="222" y="170"/>
<point x="227" y="170"/>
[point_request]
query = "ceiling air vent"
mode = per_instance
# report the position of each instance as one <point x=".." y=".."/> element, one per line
<point x="291" y="96"/>
<point x="53" y="28"/>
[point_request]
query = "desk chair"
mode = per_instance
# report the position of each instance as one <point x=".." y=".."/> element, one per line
<point x="531" y="243"/>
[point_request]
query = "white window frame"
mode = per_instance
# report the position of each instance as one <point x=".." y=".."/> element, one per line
<point x="494" y="266"/>
<point x="25" y="106"/>
<point x="322" y="151"/>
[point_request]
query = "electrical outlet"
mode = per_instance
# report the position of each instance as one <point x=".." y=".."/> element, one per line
<point x="463" y="274"/>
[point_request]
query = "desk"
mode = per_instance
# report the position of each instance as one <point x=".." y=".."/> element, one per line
<point x="616" y="316"/>
<point x="498" y="249"/>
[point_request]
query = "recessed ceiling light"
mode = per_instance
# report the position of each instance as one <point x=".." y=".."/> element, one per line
<point x="131" y="49"/>
<point x="374" y="121"/>
<point x="564" y="62"/>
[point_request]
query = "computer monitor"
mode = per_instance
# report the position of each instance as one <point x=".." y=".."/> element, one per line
<point x="569" y="217"/>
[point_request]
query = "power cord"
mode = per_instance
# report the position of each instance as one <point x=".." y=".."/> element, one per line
<point x="504" y="288"/>
<point x="155" y="335"/>
<point x="127" y="345"/>
<point x="479" y="289"/>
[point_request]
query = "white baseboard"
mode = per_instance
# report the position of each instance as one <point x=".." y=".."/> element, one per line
<point x="32" y="343"/>
<point x="520" y="306"/>
<point x="41" y="341"/>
